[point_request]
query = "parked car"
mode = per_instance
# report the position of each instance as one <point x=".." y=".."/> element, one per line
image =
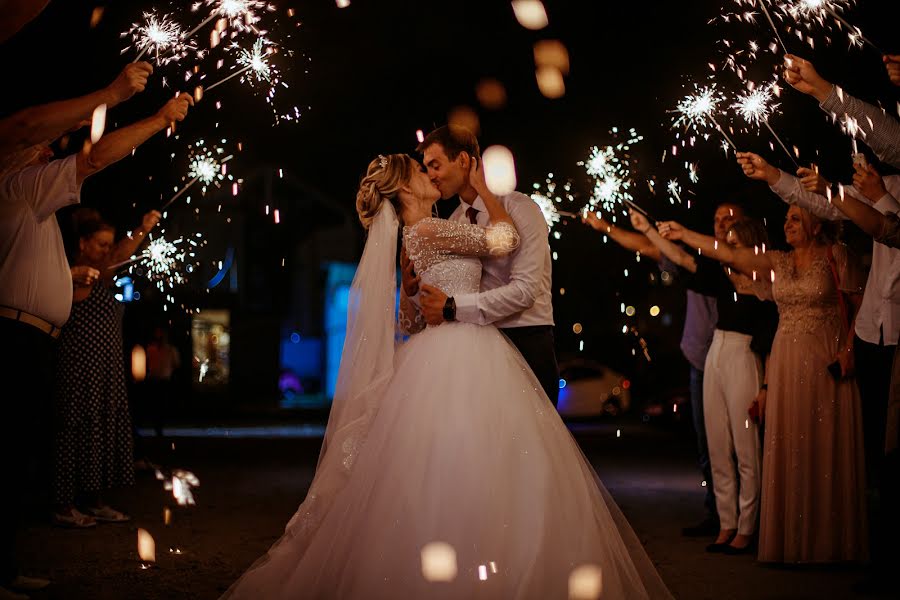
<point x="589" y="389"/>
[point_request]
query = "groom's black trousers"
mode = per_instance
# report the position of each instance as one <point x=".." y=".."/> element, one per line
<point x="536" y="344"/>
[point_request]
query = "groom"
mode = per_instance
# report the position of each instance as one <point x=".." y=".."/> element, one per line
<point x="515" y="290"/>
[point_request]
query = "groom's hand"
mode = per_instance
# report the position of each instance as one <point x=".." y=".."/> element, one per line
<point x="432" y="301"/>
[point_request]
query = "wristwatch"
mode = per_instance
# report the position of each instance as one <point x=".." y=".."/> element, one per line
<point x="450" y="309"/>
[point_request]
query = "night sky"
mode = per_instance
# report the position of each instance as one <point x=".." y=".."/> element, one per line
<point x="374" y="73"/>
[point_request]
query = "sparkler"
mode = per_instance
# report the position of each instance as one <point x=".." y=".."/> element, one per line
<point x="696" y="111"/>
<point x="610" y="166"/>
<point x="548" y="201"/>
<point x="241" y="14"/>
<point x="674" y="190"/>
<point x="255" y="61"/>
<point x="815" y="11"/>
<point x="163" y="259"/>
<point x="161" y="34"/>
<point x="205" y="165"/>
<point x="756" y="106"/>
<point x="762" y="6"/>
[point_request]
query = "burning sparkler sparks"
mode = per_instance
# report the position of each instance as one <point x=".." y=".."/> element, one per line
<point x="610" y="167"/>
<point x="162" y="35"/>
<point x="812" y="12"/>
<point x="697" y="111"/>
<point x="241" y="14"/>
<point x="756" y="106"/>
<point x="549" y="201"/>
<point x="165" y="261"/>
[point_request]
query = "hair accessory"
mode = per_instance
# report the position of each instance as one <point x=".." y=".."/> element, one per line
<point x="382" y="160"/>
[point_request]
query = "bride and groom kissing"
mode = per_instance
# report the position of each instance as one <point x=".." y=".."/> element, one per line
<point x="452" y="436"/>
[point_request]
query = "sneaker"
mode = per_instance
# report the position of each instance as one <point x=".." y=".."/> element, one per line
<point x="107" y="514"/>
<point x="28" y="584"/>
<point x="73" y="519"/>
<point x="706" y="528"/>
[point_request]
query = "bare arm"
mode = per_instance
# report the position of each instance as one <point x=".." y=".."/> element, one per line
<point x="128" y="245"/>
<point x="864" y="216"/>
<point x="629" y="240"/>
<point x="47" y="122"/>
<point x="672" y="251"/>
<point x="746" y="260"/>
<point x="119" y="144"/>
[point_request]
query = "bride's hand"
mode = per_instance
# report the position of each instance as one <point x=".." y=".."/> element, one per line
<point x="639" y="221"/>
<point x="671" y="230"/>
<point x="476" y="175"/>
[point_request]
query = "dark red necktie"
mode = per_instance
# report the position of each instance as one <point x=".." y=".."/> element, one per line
<point x="472" y="213"/>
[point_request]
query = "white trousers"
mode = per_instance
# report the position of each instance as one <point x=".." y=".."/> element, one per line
<point x="731" y="381"/>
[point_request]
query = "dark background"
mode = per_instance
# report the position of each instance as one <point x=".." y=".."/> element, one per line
<point x="368" y="76"/>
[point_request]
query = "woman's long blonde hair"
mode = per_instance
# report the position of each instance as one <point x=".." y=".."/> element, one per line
<point x="384" y="178"/>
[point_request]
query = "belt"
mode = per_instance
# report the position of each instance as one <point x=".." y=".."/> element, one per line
<point x="20" y="315"/>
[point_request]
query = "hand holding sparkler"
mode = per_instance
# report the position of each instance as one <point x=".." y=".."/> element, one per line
<point x="756" y="167"/>
<point x="812" y="181"/>
<point x="596" y="221"/>
<point x="671" y="230"/>
<point x="176" y="109"/>
<point x="639" y="221"/>
<point x="803" y="77"/>
<point x="892" y="64"/>
<point x="869" y="182"/>
<point x="150" y="220"/>
<point x="131" y="80"/>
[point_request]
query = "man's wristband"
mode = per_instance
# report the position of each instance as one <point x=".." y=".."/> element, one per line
<point x="450" y="309"/>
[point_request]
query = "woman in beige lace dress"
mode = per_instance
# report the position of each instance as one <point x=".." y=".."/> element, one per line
<point x="813" y="479"/>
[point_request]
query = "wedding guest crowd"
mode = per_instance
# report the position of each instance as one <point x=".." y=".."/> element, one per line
<point x="36" y="298"/>
<point x="829" y="382"/>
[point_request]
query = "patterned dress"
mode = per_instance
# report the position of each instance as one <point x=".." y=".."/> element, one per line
<point x="94" y="441"/>
<point x="813" y="488"/>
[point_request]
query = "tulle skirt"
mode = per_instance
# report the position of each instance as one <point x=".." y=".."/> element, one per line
<point x="468" y="486"/>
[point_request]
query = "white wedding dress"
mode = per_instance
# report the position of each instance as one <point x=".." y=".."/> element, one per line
<point x="465" y="449"/>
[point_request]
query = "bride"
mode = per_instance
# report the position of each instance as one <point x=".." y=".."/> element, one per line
<point x="445" y="445"/>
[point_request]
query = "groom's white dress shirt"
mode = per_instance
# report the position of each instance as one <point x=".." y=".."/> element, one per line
<point x="515" y="289"/>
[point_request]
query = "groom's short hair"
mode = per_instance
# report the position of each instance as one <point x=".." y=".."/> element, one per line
<point x="454" y="139"/>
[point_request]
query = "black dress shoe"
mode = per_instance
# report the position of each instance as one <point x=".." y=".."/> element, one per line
<point x="706" y="528"/>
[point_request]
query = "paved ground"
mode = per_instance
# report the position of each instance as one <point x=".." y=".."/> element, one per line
<point x="250" y="486"/>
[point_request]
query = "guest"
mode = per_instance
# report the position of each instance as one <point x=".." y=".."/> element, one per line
<point x="94" y="445"/>
<point x="36" y="298"/>
<point x="877" y="325"/>
<point x="732" y="376"/>
<point x="813" y="492"/>
<point x="699" y="323"/>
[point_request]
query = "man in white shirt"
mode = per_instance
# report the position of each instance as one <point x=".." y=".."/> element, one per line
<point x="36" y="295"/>
<point x="515" y="290"/>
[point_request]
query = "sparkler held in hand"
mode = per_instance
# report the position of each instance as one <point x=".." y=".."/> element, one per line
<point x="161" y="34"/>
<point x="697" y="111"/>
<point x="756" y="106"/>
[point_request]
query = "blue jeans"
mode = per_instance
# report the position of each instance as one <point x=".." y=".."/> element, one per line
<point x="702" y="448"/>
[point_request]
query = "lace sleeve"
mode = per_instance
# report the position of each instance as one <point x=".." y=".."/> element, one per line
<point x="462" y="239"/>
<point x="410" y="317"/>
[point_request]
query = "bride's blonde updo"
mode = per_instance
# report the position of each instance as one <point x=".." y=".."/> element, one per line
<point x="384" y="178"/>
